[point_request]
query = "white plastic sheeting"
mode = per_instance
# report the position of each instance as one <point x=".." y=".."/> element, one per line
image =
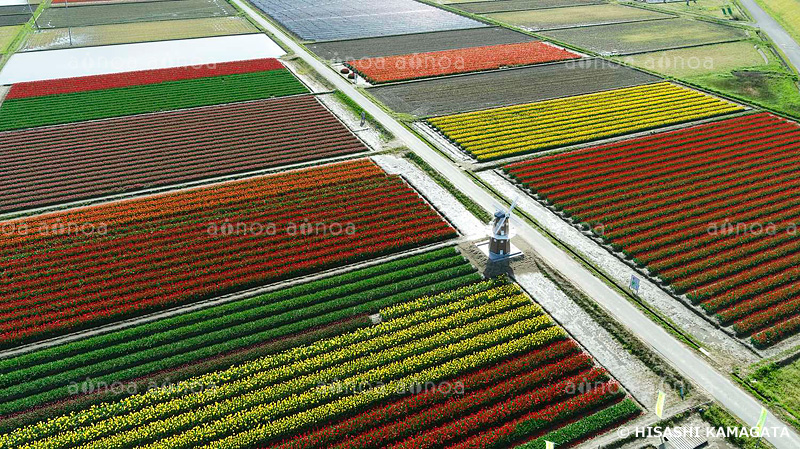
<point x="68" y="63"/>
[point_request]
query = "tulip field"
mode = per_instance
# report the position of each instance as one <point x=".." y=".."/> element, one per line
<point x="448" y="62"/>
<point x="476" y="366"/>
<point x="139" y="78"/>
<point x="510" y="131"/>
<point x="46" y="166"/>
<point x="712" y="210"/>
<point x="53" y="102"/>
<point x="85" y="267"/>
<point x="219" y="337"/>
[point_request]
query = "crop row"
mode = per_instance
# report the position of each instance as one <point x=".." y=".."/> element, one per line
<point x="712" y="210"/>
<point x="516" y="368"/>
<point x="585" y="428"/>
<point x="387" y="423"/>
<point x="123" y="154"/>
<point x="284" y="385"/>
<point x="45" y="376"/>
<point x="502" y="132"/>
<point x="154" y="252"/>
<point x="138" y="78"/>
<point x="79" y="106"/>
<point x="438" y="63"/>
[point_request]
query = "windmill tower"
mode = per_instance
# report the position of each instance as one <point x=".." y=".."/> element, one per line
<point x="500" y="238"/>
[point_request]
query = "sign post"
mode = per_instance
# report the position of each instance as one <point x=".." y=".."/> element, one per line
<point x="635" y="283"/>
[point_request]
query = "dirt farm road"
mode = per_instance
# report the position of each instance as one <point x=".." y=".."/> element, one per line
<point x="685" y="360"/>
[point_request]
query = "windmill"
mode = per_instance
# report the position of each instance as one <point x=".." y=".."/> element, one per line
<point x="500" y="238"/>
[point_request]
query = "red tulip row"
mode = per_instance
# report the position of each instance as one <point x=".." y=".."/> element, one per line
<point x="162" y="257"/>
<point x="534" y="423"/>
<point x="655" y="234"/>
<point x="380" y="417"/>
<point x="555" y="170"/>
<point x="660" y="199"/>
<point x="501" y="412"/>
<point x="767" y="317"/>
<point x="438" y="63"/>
<point x="696" y="200"/>
<point x="711" y="155"/>
<point x="776" y="333"/>
<point x="138" y="78"/>
<point x="728" y="313"/>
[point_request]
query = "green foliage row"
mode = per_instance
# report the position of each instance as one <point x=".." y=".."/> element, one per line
<point x="587" y="427"/>
<point x="36" y="379"/>
<point x="79" y="106"/>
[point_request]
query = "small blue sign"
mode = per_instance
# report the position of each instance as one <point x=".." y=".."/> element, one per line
<point x="634" y="283"/>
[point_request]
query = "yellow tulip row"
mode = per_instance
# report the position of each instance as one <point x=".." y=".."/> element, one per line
<point x="544" y="126"/>
<point x="573" y="106"/>
<point x="518" y="129"/>
<point x="644" y="117"/>
<point x="319" y="350"/>
<point x="228" y="401"/>
<point x="597" y="132"/>
<point x="517" y="341"/>
<point x="323" y="347"/>
<point x="500" y="290"/>
<point x="162" y="414"/>
<point x="468" y="117"/>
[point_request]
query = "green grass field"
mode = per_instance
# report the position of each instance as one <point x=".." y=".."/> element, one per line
<point x="79" y="106"/>
<point x="130" y="33"/>
<point x="704" y="60"/>
<point x="787" y="12"/>
<point x="575" y="16"/>
<point x="737" y="69"/>
<point x="781" y="385"/>
<point x="7" y="35"/>
<point x="775" y="90"/>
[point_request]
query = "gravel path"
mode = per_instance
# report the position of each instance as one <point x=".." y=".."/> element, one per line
<point x="637" y="378"/>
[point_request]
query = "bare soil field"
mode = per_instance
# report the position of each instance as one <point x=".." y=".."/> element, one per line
<point x="544" y="19"/>
<point x="338" y="51"/>
<point x="138" y="32"/>
<point x="466" y="93"/>
<point x="640" y="37"/>
<point x="484" y="7"/>
<point x="89" y="15"/>
<point x="14" y="15"/>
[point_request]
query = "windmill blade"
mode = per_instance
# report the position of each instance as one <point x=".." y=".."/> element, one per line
<point x="513" y="205"/>
<point x="506" y="216"/>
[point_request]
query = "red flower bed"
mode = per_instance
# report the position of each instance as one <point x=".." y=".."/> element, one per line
<point x="556" y="385"/>
<point x="423" y="65"/>
<point x="81" y="268"/>
<point x="535" y="422"/>
<point x="501" y="412"/>
<point x="776" y="333"/>
<point x="712" y="210"/>
<point x="126" y="79"/>
<point x="373" y="420"/>
<point x="61" y="164"/>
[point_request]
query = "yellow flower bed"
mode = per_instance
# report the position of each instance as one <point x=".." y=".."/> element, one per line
<point x="503" y="132"/>
<point x="430" y="339"/>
